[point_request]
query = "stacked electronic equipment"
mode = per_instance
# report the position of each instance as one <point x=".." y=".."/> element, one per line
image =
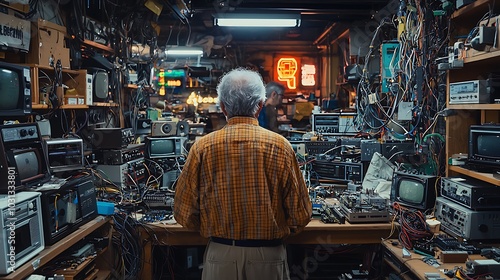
<point x="469" y="208"/>
<point x="164" y="155"/>
<point x="117" y="159"/>
<point x="44" y="208"/>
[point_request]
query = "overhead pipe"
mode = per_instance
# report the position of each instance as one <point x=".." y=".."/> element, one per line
<point x="322" y="36"/>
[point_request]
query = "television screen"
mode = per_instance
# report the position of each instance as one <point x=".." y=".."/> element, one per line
<point x="162" y="147"/>
<point x="411" y="191"/>
<point x="27" y="163"/>
<point x="100" y="86"/>
<point x="487" y="145"/>
<point x="9" y="89"/>
<point x="416" y="191"/>
<point x="15" y="90"/>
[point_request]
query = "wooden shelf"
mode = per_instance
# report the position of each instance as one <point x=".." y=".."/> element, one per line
<point x="53" y="251"/>
<point x="74" y="106"/>
<point x="48" y="68"/>
<point x="39" y="106"/>
<point x="487" y="177"/>
<point x="65" y="107"/>
<point x="474" y="106"/>
<point x="98" y="46"/>
<point x="104" y="104"/>
<point x="472" y="9"/>
<point x="483" y="56"/>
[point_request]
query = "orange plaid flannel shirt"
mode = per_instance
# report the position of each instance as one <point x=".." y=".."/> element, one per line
<point x="242" y="182"/>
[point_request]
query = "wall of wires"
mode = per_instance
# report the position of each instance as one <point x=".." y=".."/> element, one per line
<point x="409" y="99"/>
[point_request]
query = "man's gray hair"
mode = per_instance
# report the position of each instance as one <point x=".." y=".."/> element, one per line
<point x="274" y="86"/>
<point x="241" y="90"/>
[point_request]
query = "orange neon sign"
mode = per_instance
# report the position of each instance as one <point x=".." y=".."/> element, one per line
<point x="287" y="68"/>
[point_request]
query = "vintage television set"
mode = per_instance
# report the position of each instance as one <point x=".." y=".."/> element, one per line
<point x="164" y="147"/>
<point x="415" y="191"/>
<point x="21" y="155"/>
<point x="483" y="146"/>
<point x="100" y="84"/>
<point x="64" y="154"/>
<point x="15" y="90"/>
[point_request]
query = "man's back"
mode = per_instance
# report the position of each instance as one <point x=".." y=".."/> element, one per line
<point x="245" y="170"/>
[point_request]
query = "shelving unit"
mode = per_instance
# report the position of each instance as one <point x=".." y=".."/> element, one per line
<point x="475" y="68"/>
<point x="41" y="80"/>
<point x="51" y="252"/>
<point x="97" y="46"/>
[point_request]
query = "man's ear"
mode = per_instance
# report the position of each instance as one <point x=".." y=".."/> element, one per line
<point x="223" y="108"/>
<point x="261" y="105"/>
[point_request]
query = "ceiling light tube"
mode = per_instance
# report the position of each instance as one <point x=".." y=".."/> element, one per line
<point x="257" y="20"/>
<point x="184" y="51"/>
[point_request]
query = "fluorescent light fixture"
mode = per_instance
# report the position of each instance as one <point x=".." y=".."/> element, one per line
<point x="257" y="20"/>
<point x="185" y="51"/>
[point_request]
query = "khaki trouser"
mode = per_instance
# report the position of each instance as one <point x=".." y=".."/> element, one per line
<point x="225" y="262"/>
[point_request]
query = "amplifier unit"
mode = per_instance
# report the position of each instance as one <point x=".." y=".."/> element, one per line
<point x="67" y="208"/>
<point x="334" y="123"/>
<point x="339" y="170"/>
<point x="320" y="147"/>
<point x="386" y="149"/>
<point x="473" y="194"/>
<point x="169" y="128"/>
<point x="473" y="92"/>
<point x="466" y="223"/>
<point x="130" y="174"/>
<point x="64" y="154"/>
<point x="114" y="157"/>
<point x="159" y="199"/>
<point x="111" y="138"/>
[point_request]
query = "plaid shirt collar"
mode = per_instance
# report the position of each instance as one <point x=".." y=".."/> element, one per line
<point x="242" y="120"/>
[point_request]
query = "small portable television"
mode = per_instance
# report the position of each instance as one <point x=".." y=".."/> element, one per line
<point x="100" y="84"/>
<point x="483" y="146"/>
<point x="15" y="90"/>
<point x="22" y="158"/>
<point x="415" y="191"/>
<point x="64" y="154"/>
<point x="164" y="147"/>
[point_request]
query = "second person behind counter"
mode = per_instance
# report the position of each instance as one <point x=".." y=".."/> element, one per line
<point x="268" y="117"/>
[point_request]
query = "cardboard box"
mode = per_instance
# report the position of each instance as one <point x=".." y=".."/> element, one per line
<point x="48" y="44"/>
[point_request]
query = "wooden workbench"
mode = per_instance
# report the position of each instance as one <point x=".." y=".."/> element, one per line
<point x="316" y="232"/>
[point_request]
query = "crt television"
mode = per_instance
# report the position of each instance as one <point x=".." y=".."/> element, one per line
<point x="22" y="158"/>
<point x="15" y="90"/>
<point x="415" y="191"/>
<point x="164" y="147"/>
<point x="100" y="84"/>
<point x="483" y="145"/>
